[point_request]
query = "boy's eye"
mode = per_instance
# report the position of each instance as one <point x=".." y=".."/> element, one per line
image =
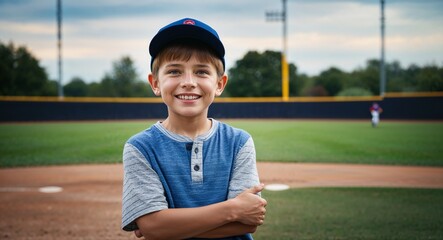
<point x="173" y="72"/>
<point x="202" y="72"/>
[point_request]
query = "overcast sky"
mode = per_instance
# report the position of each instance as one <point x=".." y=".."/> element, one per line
<point x="321" y="33"/>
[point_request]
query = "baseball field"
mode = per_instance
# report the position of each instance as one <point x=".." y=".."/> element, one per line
<point x="348" y="180"/>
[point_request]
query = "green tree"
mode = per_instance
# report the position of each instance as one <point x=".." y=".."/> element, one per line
<point x="142" y="89"/>
<point x="107" y="88"/>
<point x="367" y="78"/>
<point x="409" y="78"/>
<point x="298" y="83"/>
<point x="76" y="88"/>
<point x="332" y="80"/>
<point x="21" y="73"/>
<point x="255" y="75"/>
<point x="430" y="78"/>
<point x="50" y="88"/>
<point x="259" y="75"/>
<point x="123" y="81"/>
<point x="123" y="76"/>
<point x="95" y="90"/>
<point x="395" y="77"/>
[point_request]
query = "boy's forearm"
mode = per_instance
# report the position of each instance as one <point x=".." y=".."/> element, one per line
<point x="183" y="223"/>
<point x="228" y="230"/>
<point x="180" y="223"/>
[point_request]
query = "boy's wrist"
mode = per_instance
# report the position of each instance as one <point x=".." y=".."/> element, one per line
<point x="232" y="216"/>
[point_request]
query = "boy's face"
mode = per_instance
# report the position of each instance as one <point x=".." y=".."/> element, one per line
<point x="187" y="87"/>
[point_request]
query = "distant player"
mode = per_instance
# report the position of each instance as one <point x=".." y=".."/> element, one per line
<point x="190" y="176"/>
<point x="375" y="110"/>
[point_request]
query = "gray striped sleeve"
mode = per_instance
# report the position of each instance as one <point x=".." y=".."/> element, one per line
<point x="143" y="191"/>
<point x="245" y="173"/>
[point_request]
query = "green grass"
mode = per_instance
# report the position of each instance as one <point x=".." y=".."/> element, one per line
<point x="353" y="213"/>
<point x="64" y="143"/>
<point x="395" y="143"/>
<point x="398" y="143"/>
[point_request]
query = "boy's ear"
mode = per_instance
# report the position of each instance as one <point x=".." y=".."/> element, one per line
<point x="221" y="84"/>
<point x="153" y="82"/>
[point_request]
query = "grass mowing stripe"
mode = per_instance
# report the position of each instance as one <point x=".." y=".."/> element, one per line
<point x="353" y="213"/>
<point x="396" y="143"/>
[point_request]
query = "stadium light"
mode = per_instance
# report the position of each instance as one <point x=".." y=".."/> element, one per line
<point x="281" y="16"/>
<point x="382" y="57"/>
<point x="59" y="47"/>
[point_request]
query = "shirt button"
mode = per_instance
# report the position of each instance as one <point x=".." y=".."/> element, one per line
<point x="196" y="168"/>
<point x="196" y="150"/>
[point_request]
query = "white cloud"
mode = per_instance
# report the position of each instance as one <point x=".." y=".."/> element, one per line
<point x="26" y="28"/>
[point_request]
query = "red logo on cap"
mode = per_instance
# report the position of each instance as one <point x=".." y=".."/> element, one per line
<point x="189" y="21"/>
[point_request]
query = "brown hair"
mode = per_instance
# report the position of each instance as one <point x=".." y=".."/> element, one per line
<point x="184" y="52"/>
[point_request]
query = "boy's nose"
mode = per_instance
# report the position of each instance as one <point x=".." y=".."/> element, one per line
<point x="188" y="80"/>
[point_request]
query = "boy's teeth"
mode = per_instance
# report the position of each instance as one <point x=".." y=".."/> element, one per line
<point x="185" y="97"/>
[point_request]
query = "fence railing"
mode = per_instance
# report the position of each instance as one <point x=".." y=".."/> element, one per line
<point x="222" y="99"/>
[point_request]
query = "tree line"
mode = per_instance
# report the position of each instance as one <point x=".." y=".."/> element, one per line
<point x="255" y="75"/>
<point x="259" y="74"/>
<point x="22" y="75"/>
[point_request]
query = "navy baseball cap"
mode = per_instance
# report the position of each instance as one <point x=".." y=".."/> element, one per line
<point x="187" y="29"/>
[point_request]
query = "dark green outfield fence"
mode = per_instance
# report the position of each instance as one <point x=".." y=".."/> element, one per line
<point x="417" y="106"/>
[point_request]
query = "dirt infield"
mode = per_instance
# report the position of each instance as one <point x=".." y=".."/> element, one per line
<point x="89" y="207"/>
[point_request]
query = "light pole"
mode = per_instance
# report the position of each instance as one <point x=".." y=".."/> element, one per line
<point x="382" y="57"/>
<point x="59" y="47"/>
<point x="281" y="16"/>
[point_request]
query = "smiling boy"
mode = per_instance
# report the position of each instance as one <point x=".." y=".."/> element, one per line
<point x="190" y="176"/>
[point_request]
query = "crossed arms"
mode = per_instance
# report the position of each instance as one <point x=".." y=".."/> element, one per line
<point x="233" y="217"/>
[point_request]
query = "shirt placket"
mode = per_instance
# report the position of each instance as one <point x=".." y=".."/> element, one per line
<point x="197" y="162"/>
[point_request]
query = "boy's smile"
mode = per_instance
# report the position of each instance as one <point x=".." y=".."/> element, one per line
<point x="187" y="97"/>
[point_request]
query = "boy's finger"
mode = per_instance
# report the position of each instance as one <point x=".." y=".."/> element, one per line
<point x="138" y="233"/>
<point x="256" y="189"/>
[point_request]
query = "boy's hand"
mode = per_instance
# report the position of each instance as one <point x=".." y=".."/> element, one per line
<point x="249" y="207"/>
<point x="138" y="233"/>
